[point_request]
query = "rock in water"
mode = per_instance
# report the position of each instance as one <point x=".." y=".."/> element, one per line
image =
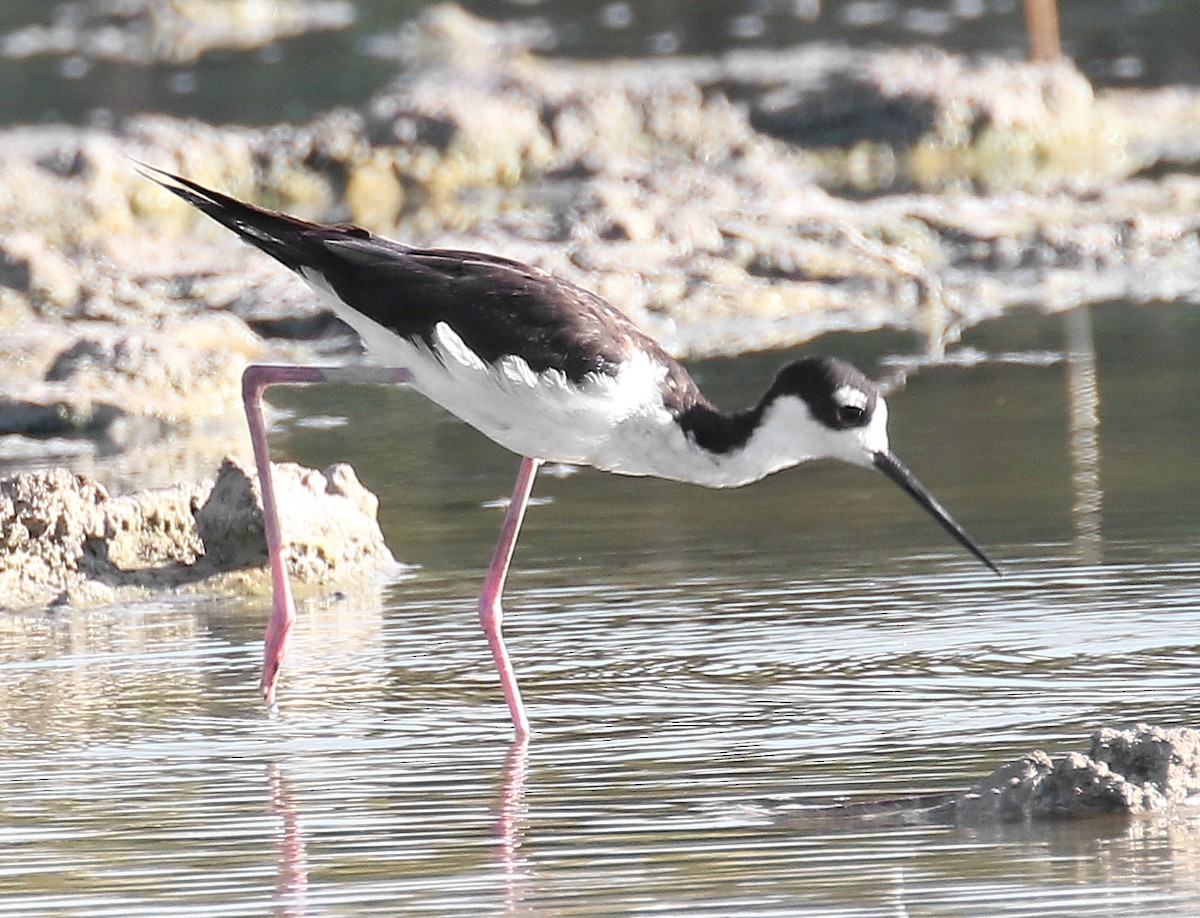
<point x="328" y="520"/>
<point x="65" y="540"/>
<point x="1127" y="771"/>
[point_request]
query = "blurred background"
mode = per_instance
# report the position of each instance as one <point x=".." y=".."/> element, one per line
<point x="77" y="61"/>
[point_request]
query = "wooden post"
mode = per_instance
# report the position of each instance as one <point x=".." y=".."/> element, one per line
<point x="1041" y="22"/>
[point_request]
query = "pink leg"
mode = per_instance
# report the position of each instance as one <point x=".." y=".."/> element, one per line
<point x="491" y="612"/>
<point x="255" y="381"/>
<point x="283" y="608"/>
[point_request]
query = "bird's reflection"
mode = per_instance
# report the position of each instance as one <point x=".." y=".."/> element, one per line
<point x="291" y="879"/>
<point x="510" y="810"/>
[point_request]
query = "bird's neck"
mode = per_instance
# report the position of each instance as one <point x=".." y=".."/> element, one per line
<point x="726" y="450"/>
<point x="718" y="432"/>
<point x="734" y="449"/>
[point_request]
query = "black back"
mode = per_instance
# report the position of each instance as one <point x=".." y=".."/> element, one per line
<point x="496" y="305"/>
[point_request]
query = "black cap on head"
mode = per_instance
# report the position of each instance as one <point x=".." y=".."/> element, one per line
<point x="837" y="393"/>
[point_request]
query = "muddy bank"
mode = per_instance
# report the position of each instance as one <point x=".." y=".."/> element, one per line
<point x="65" y="541"/>
<point x="705" y="197"/>
<point x="1141" y="770"/>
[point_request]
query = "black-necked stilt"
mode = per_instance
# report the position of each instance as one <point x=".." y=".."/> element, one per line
<point x="548" y="370"/>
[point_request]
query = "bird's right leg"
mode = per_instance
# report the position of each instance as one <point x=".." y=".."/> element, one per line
<point x="491" y="611"/>
<point x="255" y="380"/>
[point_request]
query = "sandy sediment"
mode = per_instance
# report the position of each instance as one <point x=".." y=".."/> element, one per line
<point x="1140" y="770"/>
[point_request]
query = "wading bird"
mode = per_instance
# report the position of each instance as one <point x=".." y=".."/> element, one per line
<point x="547" y="370"/>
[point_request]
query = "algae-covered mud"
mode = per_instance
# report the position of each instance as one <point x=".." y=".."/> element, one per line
<point x="704" y="195"/>
<point x="67" y="542"/>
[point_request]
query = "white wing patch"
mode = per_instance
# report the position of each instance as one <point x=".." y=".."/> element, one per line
<point x="544" y="414"/>
<point x="611" y="422"/>
<point x="453" y="349"/>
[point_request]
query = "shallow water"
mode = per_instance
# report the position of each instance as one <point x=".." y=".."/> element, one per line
<point x="706" y="673"/>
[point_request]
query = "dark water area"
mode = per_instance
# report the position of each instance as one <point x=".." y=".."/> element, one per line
<point x="706" y="672"/>
<point x="1115" y="42"/>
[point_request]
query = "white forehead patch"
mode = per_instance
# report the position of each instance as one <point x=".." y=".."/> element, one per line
<point x="850" y="395"/>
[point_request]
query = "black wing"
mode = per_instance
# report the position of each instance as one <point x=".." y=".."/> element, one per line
<point x="496" y="305"/>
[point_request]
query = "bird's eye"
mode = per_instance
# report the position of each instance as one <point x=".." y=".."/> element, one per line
<point x="850" y="415"/>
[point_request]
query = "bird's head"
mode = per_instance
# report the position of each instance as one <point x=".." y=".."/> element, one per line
<point x="835" y="412"/>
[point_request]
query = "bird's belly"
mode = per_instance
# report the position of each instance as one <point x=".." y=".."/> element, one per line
<point x="531" y="423"/>
<point x="553" y="419"/>
<point x="542" y="415"/>
<point x="585" y="429"/>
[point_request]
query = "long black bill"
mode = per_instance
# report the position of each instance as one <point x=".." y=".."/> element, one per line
<point x="896" y="470"/>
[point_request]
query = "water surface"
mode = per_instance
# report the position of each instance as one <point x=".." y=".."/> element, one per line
<point x="706" y="672"/>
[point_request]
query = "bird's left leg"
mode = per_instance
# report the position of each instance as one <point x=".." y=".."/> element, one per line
<point x="255" y="380"/>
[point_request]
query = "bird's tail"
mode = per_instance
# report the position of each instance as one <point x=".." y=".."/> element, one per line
<point x="280" y="236"/>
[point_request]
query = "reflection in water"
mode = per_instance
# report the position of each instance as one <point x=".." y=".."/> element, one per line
<point x="291" y="881"/>
<point x="337" y="645"/>
<point x="73" y="669"/>
<point x="1083" y="397"/>
<point x="679" y="733"/>
<point x="508" y="807"/>
<point x="510" y="826"/>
